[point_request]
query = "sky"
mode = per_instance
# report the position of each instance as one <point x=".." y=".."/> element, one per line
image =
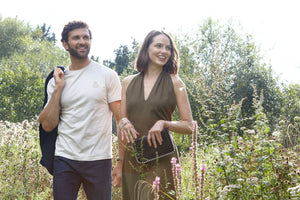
<point x="274" y="24"/>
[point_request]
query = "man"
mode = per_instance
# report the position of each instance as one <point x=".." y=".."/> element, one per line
<point x="81" y="102"/>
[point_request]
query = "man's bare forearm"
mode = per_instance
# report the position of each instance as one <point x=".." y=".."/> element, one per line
<point x="49" y="117"/>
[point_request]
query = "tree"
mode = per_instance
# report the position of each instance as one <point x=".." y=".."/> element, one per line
<point x="22" y="68"/>
<point x="13" y="36"/>
<point x="94" y="58"/>
<point x="43" y="33"/>
<point x="22" y="93"/>
<point x="124" y="60"/>
<point x="290" y="106"/>
<point x="226" y="64"/>
<point x="22" y="45"/>
<point x="42" y="56"/>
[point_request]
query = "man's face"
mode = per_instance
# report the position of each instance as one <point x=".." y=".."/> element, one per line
<point x="79" y="43"/>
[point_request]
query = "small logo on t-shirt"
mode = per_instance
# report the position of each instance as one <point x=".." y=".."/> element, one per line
<point x="95" y="84"/>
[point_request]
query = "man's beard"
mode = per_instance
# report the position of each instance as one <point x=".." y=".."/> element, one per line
<point x="76" y="54"/>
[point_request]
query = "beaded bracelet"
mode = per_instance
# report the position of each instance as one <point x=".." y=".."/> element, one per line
<point x="123" y="122"/>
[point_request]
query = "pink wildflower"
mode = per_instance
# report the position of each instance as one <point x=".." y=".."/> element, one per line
<point x="203" y="167"/>
<point x="155" y="186"/>
<point x="173" y="160"/>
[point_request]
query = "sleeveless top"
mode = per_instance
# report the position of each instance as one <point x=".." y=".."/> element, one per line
<point x="159" y="105"/>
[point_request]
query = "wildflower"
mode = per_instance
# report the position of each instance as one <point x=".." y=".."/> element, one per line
<point x="157" y="181"/>
<point x="194" y="158"/>
<point x="281" y="123"/>
<point x="250" y="131"/>
<point x="178" y="167"/>
<point x="173" y="160"/>
<point x="297" y="119"/>
<point x="243" y="128"/>
<point x="201" y="180"/>
<point x="203" y="167"/>
<point x="276" y="134"/>
<point x="176" y="170"/>
<point x="155" y="186"/>
<point x="294" y="190"/>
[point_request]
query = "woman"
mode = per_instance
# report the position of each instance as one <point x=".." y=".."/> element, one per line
<point x="148" y="101"/>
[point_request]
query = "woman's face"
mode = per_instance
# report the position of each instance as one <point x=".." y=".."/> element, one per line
<point x="159" y="50"/>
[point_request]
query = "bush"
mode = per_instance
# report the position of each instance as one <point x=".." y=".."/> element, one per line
<point x="22" y="93"/>
<point x="249" y="166"/>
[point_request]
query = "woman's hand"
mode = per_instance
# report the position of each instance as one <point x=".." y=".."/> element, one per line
<point x="154" y="134"/>
<point x="127" y="130"/>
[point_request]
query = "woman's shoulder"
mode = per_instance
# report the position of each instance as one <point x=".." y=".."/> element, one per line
<point x="177" y="82"/>
<point x="128" y="79"/>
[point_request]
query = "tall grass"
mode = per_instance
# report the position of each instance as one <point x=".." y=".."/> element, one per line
<point x="254" y="165"/>
<point x="21" y="175"/>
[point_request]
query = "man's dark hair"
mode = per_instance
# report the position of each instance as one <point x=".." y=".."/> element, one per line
<point x="71" y="26"/>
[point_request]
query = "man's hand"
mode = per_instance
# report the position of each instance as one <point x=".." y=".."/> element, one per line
<point x="59" y="77"/>
<point x="117" y="175"/>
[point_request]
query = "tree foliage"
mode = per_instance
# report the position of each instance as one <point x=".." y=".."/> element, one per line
<point x="43" y="56"/>
<point x="290" y="107"/>
<point x="220" y="66"/>
<point x="43" y="33"/>
<point x="21" y="92"/>
<point x="13" y="35"/>
<point x="26" y="60"/>
<point x="124" y="59"/>
<point x="222" y="63"/>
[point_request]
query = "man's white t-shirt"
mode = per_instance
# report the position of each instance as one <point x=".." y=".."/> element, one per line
<point x="85" y="124"/>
